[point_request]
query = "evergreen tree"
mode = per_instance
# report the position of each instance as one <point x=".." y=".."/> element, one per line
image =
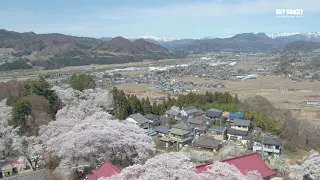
<point x="21" y="110"/>
<point x="147" y="106"/>
<point x="143" y="102"/>
<point x="124" y="106"/>
<point x="164" y="103"/>
<point x="161" y="109"/>
<point x="155" y="108"/>
<point x="81" y="82"/>
<point x="115" y="96"/>
<point x="236" y="100"/>
<point x="169" y="102"/>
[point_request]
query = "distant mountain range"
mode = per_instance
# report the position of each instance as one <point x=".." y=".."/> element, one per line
<point x="29" y="50"/>
<point x="238" y="42"/>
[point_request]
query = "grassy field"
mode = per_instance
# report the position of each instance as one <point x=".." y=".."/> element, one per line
<point x="14" y="74"/>
<point x="142" y="90"/>
<point x="267" y="86"/>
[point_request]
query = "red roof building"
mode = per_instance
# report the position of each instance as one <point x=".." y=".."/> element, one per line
<point x="105" y="170"/>
<point x="245" y="163"/>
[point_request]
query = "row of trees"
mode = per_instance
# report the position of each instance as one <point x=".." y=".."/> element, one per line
<point x="126" y="104"/>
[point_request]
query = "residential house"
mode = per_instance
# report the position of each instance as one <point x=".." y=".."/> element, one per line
<point x="269" y="145"/>
<point x="107" y="169"/>
<point x="31" y="175"/>
<point x="162" y="130"/>
<point x="250" y="162"/>
<point x="196" y="122"/>
<point x="241" y="124"/>
<point x="178" y="137"/>
<point x="6" y="170"/>
<point x="182" y="119"/>
<point x="189" y="111"/>
<point x="163" y="120"/>
<point x="218" y="132"/>
<point x="208" y="143"/>
<point x="202" y="130"/>
<point x="185" y="126"/>
<point x="213" y="113"/>
<point x="154" y="120"/>
<point x="139" y="120"/>
<point x="313" y="101"/>
<point x="172" y="114"/>
<point x="239" y="135"/>
<point x="257" y="130"/>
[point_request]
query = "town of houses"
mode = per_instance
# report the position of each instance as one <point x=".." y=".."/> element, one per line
<point x="210" y="131"/>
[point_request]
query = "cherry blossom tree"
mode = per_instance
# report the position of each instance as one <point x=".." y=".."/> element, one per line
<point x="84" y="135"/>
<point x="98" y="138"/>
<point x="174" y="165"/>
<point x="177" y="166"/>
<point x="310" y="168"/>
<point x="224" y="171"/>
<point x="31" y="148"/>
<point x="280" y="164"/>
<point x="7" y="133"/>
<point x="77" y="106"/>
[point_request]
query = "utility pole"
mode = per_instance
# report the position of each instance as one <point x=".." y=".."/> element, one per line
<point x="262" y="143"/>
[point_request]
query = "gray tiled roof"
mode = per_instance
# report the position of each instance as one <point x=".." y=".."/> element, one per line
<point x="182" y="126"/>
<point x="152" y="117"/>
<point x="213" y="113"/>
<point x="203" y="128"/>
<point x="139" y="118"/>
<point x="207" y="142"/>
<point x="190" y="110"/>
<point x="236" y="132"/>
<point x="34" y="175"/>
<point x="218" y="129"/>
<point x="269" y="141"/>
<point x="172" y="112"/>
<point x="163" y="118"/>
<point x="161" y="129"/>
<point x="240" y="122"/>
<point x="248" y="136"/>
<point x="197" y="121"/>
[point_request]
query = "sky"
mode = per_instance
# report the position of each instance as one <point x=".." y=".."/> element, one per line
<point x="170" y="18"/>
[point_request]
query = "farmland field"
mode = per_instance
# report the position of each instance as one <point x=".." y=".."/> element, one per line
<point x="271" y="87"/>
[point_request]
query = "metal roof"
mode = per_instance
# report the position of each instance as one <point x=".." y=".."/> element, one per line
<point x="190" y="110"/>
<point x="179" y="132"/>
<point x="240" y="122"/>
<point x="269" y="140"/>
<point x="218" y="128"/>
<point x="162" y="129"/>
<point x="139" y="118"/>
<point x="236" y="132"/>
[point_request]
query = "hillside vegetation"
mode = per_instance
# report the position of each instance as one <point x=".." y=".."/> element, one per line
<point x="50" y="51"/>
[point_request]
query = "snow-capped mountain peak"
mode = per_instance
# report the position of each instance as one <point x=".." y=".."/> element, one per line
<point x="286" y="34"/>
<point x="155" y="38"/>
